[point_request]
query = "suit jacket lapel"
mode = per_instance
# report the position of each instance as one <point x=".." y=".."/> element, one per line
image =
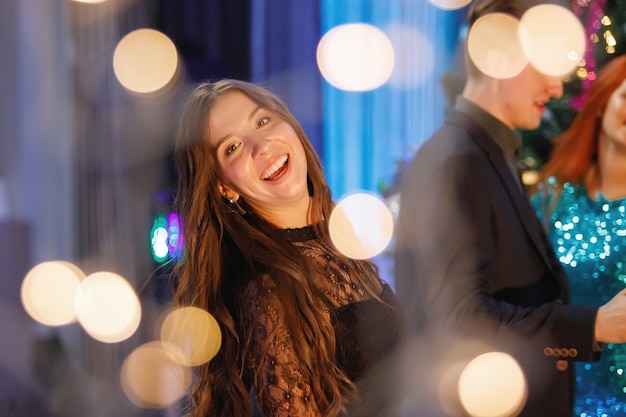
<point x="496" y="159"/>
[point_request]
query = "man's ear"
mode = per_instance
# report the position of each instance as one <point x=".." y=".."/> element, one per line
<point x="226" y="192"/>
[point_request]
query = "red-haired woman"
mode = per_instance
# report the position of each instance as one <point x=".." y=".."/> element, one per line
<point x="581" y="197"/>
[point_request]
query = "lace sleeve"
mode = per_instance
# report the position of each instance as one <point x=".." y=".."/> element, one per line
<point x="285" y="391"/>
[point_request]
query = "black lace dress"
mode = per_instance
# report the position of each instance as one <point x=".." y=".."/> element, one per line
<point x="368" y="334"/>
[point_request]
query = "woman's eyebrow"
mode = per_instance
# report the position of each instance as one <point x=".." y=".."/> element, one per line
<point x="228" y="135"/>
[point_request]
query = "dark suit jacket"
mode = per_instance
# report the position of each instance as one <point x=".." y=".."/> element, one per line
<point x="475" y="274"/>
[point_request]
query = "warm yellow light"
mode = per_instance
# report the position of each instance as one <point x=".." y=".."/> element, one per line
<point x="48" y="292"/>
<point x="355" y="57"/>
<point x="145" y="61"/>
<point x="530" y="177"/>
<point x="553" y="38"/>
<point x="492" y="385"/>
<point x="494" y="47"/>
<point x="449" y="4"/>
<point x="361" y="226"/>
<point x="107" y="307"/>
<point x="151" y="378"/>
<point x="609" y="38"/>
<point x="193" y="331"/>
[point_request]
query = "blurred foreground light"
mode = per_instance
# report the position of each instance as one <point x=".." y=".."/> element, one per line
<point x="492" y="385"/>
<point x="193" y="331"/>
<point x="152" y="378"/>
<point x="166" y="237"/>
<point x="449" y="4"/>
<point x="107" y="307"/>
<point x="414" y="57"/>
<point x="90" y="1"/>
<point x="361" y="226"/>
<point x="48" y="292"/>
<point x="145" y="61"/>
<point x="355" y="57"/>
<point x="493" y="45"/>
<point x="553" y="38"/>
<point x="530" y="177"/>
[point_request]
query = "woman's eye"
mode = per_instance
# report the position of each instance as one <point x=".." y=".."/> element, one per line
<point x="263" y="121"/>
<point x="231" y="148"/>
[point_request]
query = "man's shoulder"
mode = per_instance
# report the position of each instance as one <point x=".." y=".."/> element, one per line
<point x="454" y="134"/>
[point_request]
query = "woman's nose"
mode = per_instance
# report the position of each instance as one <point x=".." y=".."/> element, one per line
<point x="260" y="146"/>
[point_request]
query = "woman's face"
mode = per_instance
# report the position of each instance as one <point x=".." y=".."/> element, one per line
<point x="261" y="159"/>
<point x="614" y="120"/>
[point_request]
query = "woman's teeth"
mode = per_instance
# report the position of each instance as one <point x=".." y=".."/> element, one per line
<point x="275" y="170"/>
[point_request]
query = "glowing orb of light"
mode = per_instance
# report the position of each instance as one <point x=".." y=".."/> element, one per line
<point x="107" y="307"/>
<point x="361" y="226"/>
<point x="355" y="57"/>
<point x="152" y="378"/>
<point x="553" y="38"/>
<point x="48" y="292"/>
<point x="145" y="61"/>
<point x="193" y="331"/>
<point x="449" y="4"/>
<point x="494" y="47"/>
<point x="414" y="57"/>
<point x="492" y="385"/>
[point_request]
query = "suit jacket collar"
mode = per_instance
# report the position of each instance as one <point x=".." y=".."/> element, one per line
<point x="496" y="158"/>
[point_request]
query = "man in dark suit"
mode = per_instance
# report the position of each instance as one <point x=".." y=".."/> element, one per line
<point x="474" y="271"/>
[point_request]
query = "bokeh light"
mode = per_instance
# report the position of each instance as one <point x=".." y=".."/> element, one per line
<point x="493" y="385"/>
<point x="151" y="378"/>
<point x="361" y="225"/>
<point x="107" y="307"/>
<point x="494" y="47"/>
<point x="355" y="57"/>
<point x="553" y="38"/>
<point x="145" y="61"/>
<point x="48" y="292"/>
<point x="449" y="4"/>
<point x="193" y="331"/>
<point x="530" y="177"/>
<point x="414" y="57"/>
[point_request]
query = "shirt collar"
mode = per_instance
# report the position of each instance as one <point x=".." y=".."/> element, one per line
<point x="506" y="139"/>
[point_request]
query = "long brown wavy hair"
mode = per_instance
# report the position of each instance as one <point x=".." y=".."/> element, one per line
<point x="224" y="249"/>
<point x="574" y="157"/>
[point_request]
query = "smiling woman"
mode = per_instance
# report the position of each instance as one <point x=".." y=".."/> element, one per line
<point x="261" y="158"/>
<point x="306" y="331"/>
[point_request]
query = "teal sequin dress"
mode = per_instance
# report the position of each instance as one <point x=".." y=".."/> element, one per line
<point x="589" y="238"/>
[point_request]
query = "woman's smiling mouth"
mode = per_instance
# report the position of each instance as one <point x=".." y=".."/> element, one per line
<point x="277" y="169"/>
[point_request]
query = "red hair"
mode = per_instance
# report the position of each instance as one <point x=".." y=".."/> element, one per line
<point x="574" y="156"/>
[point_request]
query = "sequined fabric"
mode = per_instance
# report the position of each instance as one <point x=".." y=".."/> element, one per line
<point x="366" y="331"/>
<point x="589" y="238"/>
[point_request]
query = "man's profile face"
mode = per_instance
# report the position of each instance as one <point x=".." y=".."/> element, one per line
<point x="523" y="98"/>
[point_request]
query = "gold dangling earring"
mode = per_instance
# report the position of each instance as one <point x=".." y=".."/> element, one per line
<point x="236" y="206"/>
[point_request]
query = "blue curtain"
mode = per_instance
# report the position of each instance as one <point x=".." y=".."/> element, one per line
<point x="362" y="137"/>
<point x="367" y="135"/>
<point x="283" y="40"/>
